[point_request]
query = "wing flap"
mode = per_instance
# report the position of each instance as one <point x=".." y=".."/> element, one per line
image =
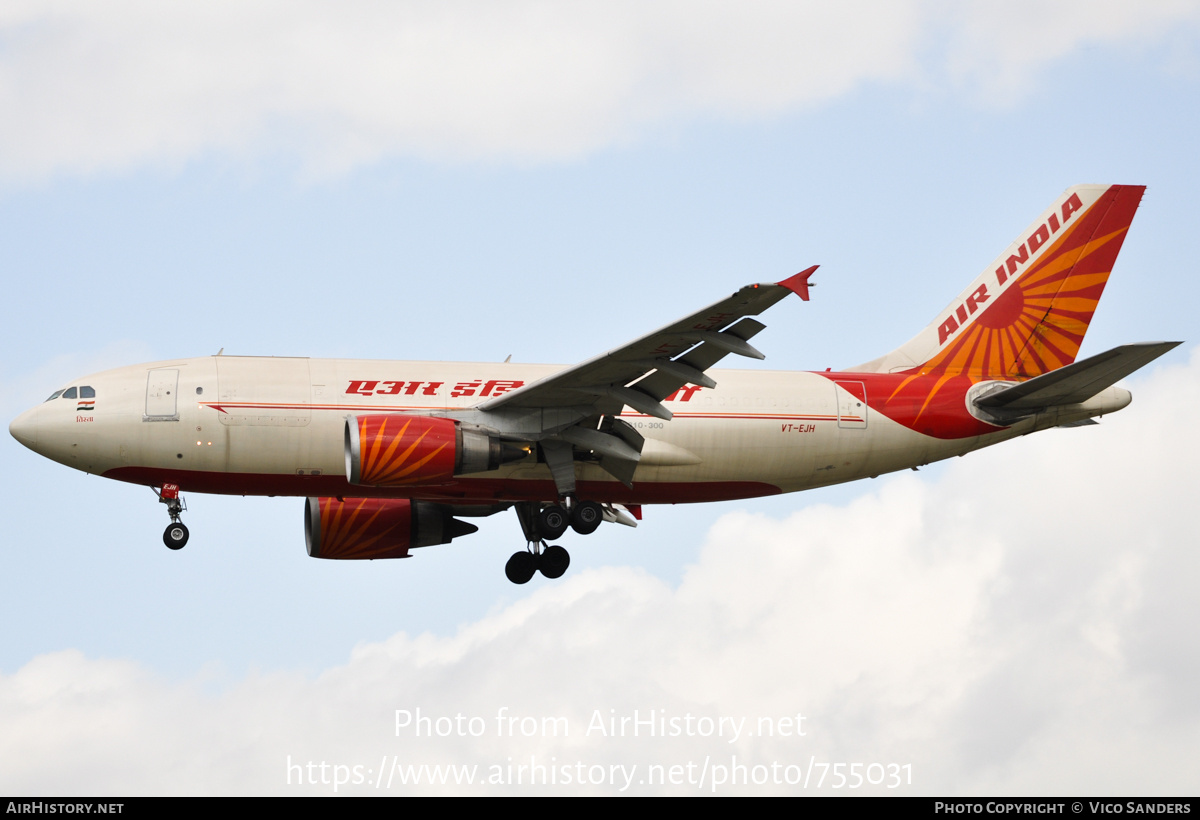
<point x="663" y="382"/>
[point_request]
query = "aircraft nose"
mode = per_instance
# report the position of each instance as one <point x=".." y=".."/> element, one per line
<point x="24" y="429"/>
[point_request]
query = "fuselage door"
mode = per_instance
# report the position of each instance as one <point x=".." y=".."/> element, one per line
<point x="852" y="405"/>
<point x="162" y="395"/>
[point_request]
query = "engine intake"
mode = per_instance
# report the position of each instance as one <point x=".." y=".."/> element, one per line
<point x="400" y="451"/>
<point x="368" y="528"/>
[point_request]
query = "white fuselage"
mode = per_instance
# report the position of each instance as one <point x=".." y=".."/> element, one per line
<point x="274" y="426"/>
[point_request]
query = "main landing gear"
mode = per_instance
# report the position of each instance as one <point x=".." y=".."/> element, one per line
<point x="549" y="559"/>
<point x="547" y="524"/>
<point x="176" y="534"/>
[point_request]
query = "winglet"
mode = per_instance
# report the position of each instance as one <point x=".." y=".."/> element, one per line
<point x="798" y="284"/>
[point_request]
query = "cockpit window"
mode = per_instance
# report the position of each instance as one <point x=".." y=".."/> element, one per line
<point x="57" y="393"/>
<point x="69" y="393"/>
<point x="86" y="392"/>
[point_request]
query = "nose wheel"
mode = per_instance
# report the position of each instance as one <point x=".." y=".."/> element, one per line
<point x="175" y="536"/>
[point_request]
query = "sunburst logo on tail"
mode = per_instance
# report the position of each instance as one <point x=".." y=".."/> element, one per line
<point x="1037" y="321"/>
<point x="1025" y="316"/>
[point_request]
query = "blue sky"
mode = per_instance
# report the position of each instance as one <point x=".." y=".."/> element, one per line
<point x="465" y="182"/>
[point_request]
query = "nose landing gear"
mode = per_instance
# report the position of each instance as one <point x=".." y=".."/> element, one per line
<point x="176" y="534"/>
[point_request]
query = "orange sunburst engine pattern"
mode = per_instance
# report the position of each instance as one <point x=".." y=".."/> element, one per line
<point x="360" y="528"/>
<point x="398" y="451"/>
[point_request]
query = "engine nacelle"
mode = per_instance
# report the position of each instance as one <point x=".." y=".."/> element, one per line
<point x="357" y="528"/>
<point x="403" y="451"/>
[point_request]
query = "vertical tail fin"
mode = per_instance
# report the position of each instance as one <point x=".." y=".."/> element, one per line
<point x="1028" y="312"/>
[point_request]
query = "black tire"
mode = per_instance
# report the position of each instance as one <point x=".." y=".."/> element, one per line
<point x="175" y="536"/>
<point x="586" y="517"/>
<point x="553" y="522"/>
<point x="520" y="567"/>
<point x="555" y="561"/>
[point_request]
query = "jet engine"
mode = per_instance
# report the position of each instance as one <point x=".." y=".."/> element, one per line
<point x="356" y="528"/>
<point x="400" y="451"/>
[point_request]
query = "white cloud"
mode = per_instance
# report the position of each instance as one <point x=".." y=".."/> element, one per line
<point x="88" y="88"/>
<point x="998" y="48"/>
<point x="1024" y="625"/>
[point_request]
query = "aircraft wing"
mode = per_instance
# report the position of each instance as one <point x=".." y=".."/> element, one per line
<point x="645" y="371"/>
<point x="639" y="375"/>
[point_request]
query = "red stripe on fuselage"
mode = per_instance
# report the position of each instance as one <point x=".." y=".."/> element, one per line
<point x="419" y="409"/>
<point x="462" y="491"/>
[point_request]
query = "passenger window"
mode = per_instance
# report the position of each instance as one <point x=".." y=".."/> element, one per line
<point x="69" y="393"/>
<point x="86" y="392"/>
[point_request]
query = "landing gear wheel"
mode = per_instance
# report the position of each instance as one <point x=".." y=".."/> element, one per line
<point x="554" y="561"/>
<point x="176" y="535"/>
<point x="586" y="517"/>
<point x="521" y="566"/>
<point x="553" y="522"/>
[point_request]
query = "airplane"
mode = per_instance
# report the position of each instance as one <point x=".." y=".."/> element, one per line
<point x="393" y="455"/>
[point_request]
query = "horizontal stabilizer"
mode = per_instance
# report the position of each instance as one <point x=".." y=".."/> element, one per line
<point x="1076" y="383"/>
